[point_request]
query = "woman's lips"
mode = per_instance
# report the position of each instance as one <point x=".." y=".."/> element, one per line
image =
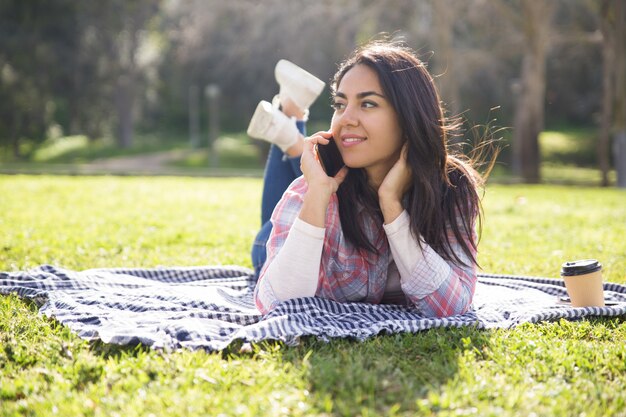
<point x="351" y="140"/>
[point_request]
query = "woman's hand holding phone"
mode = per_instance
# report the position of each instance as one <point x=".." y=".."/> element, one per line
<point x="330" y="158"/>
<point x="320" y="186"/>
<point x="312" y="167"/>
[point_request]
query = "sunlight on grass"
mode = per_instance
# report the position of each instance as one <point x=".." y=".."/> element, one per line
<point x="237" y="152"/>
<point x="54" y="148"/>
<point x="532" y="230"/>
<point x="569" y="174"/>
<point x="105" y="221"/>
<point x="569" y="147"/>
<point x="552" y="142"/>
<point x="79" y="149"/>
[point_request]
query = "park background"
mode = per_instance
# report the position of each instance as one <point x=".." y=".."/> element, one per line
<point x="81" y="82"/>
<point x="105" y="88"/>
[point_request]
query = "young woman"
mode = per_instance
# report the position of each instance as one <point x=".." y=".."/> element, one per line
<point x="397" y="223"/>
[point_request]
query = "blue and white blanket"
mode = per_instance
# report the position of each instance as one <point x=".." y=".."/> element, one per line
<point x="210" y="307"/>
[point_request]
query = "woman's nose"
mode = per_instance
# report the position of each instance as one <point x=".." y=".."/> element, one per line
<point x="348" y="117"/>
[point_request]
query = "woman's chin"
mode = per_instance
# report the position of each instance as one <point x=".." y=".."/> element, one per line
<point x="352" y="164"/>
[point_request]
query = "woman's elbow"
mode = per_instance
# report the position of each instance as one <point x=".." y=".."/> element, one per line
<point x="264" y="297"/>
<point x="439" y="305"/>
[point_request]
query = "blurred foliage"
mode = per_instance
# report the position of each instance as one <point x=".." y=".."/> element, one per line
<point x="78" y="68"/>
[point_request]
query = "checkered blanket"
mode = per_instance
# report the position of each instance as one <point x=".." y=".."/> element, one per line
<point x="209" y="307"/>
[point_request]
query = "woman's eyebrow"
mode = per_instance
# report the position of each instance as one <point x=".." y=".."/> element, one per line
<point x="361" y="95"/>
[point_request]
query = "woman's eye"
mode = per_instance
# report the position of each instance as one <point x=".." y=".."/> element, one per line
<point x="368" y="104"/>
<point x="337" y="105"/>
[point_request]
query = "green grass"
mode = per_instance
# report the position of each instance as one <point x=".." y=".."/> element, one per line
<point x="235" y="151"/>
<point x="78" y="149"/>
<point x="232" y="154"/>
<point x="549" y="369"/>
<point x="569" y="146"/>
<point x="568" y="157"/>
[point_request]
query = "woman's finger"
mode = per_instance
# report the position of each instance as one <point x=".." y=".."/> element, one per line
<point x="317" y="139"/>
<point x="405" y="150"/>
<point x="341" y="175"/>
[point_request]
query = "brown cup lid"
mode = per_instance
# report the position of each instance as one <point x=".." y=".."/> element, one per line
<point x="581" y="267"/>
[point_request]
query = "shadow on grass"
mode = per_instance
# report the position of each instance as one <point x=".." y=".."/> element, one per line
<point x="111" y="351"/>
<point x="381" y="375"/>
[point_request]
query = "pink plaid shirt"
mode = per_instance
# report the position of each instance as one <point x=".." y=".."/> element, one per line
<point x="349" y="274"/>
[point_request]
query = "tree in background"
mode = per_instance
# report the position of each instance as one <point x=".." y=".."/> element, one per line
<point x="72" y="65"/>
<point x="236" y="45"/>
<point x="620" y="94"/>
<point x="36" y="41"/>
<point x="117" y="55"/>
<point x="445" y="14"/>
<point x="613" y="119"/>
<point x="528" y="122"/>
<point x="102" y="68"/>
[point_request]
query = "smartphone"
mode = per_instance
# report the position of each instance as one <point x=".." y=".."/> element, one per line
<point x="330" y="158"/>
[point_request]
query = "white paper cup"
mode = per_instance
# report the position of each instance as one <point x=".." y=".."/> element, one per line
<point x="583" y="281"/>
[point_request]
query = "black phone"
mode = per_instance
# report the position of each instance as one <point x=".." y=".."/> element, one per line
<point x="330" y="158"/>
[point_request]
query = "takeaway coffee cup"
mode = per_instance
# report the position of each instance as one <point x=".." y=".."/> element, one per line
<point x="583" y="281"/>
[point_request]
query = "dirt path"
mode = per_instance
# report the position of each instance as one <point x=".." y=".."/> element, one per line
<point x="155" y="163"/>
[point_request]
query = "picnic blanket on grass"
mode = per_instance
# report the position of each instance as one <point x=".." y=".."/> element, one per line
<point x="209" y="307"/>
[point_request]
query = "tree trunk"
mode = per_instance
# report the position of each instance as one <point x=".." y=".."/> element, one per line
<point x="529" y="112"/>
<point x="608" y="72"/>
<point x="619" y="150"/>
<point x="445" y="57"/>
<point x="619" y="125"/>
<point x="15" y="136"/>
<point x="124" y="100"/>
<point x="126" y="86"/>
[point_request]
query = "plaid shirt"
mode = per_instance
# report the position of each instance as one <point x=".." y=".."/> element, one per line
<point x="349" y="274"/>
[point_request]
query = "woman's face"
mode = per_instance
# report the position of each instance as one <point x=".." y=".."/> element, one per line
<point x="365" y="125"/>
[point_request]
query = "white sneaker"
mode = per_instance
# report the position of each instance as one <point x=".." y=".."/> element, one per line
<point x="274" y="126"/>
<point x="299" y="85"/>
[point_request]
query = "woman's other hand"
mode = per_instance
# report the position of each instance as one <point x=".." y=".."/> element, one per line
<point x="396" y="183"/>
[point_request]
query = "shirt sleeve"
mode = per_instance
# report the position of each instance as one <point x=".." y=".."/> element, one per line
<point x="294" y="251"/>
<point x="437" y="287"/>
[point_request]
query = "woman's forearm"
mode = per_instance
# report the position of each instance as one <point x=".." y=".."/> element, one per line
<point x="294" y="272"/>
<point x="314" y="206"/>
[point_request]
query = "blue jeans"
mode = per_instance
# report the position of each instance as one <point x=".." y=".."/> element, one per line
<point x="280" y="171"/>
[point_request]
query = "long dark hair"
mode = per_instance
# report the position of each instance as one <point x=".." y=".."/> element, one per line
<point x="444" y="196"/>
